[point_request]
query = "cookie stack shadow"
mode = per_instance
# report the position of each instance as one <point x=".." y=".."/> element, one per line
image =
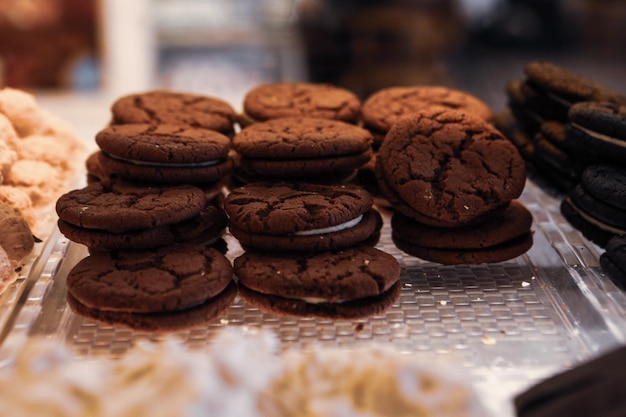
<point x="572" y="132"/>
<point x="151" y="214"/>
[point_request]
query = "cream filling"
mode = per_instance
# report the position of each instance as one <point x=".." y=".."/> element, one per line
<point x="167" y="165"/>
<point x="599" y="136"/>
<point x="331" y="229"/>
<point x="315" y="300"/>
<point x="596" y="222"/>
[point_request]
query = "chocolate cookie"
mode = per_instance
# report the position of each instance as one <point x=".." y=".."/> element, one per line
<point x="302" y="148"/>
<point x="599" y="129"/>
<point x="594" y="387"/>
<point x="175" y="108"/>
<point x="122" y="206"/>
<point x="450" y="167"/>
<point x="168" y="279"/>
<point x="164" y="153"/>
<point x="16" y="237"/>
<point x="300" y="216"/>
<point x="278" y="100"/>
<point x="613" y="261"/>
<point x="587" y="223"/>
<point x="323" y="283"/>
<point x="202" y="314"/>
<point x="606" y="183"/>
<point x="523" y="108"/>
<point x="385" y="107"/>
<point x="496" y="239"/>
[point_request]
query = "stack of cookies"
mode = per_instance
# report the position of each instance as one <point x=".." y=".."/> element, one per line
<point x="452" y="179"/>
<point x="151" y="216"/>
<point x="544" y="105"/>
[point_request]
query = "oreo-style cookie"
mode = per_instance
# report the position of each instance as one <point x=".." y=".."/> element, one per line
<point x="599" y="129"/>
<point x="301" y="217"/>
<point x="279" y="100"/>
<point x="385" y="107"/>
<point x="496" y="239"/>
<point x="302" y="148"/>
<point x="449" y="167"/>
<point x="164" y="153"/>
<point x="175" y="108"/>
<point x="202" y="314"/>
<point x="168" y="279"/>
<point x="523" y="108"/>
<point x="613" y="261"/>
<point x="606" y="183"/>
<point x="341" y="284"/>
<point x="592" y="388"/>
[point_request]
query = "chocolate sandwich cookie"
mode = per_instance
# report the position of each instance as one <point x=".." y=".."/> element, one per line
<point x="607" y="183"/>
<point x="164" y="153"/>
<point x="592" y="388"/>
<point x="302" y="148"/>
<point x="121" y="205"/>
<point x="523" y="108"/>
<point x="450" y="167"/>
<point x="340" y="284"/>
<point x="599" y="129"/>
<point x="496" y="239"/>
<point x="279" y="100"/>
<point x="206" y="227"/>
<point x="200" y="315"/>
<point x="385" y="107"/>
<point x="613" y="261"/>
<point x="168" y="279"/>
<point x="301" y="217"/>
<point x="95" y="172"/>
<point x="175" y="108"/>
<point x="16" y="238"/>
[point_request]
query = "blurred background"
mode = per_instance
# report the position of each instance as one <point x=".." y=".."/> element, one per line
<point x="106" y="48"/>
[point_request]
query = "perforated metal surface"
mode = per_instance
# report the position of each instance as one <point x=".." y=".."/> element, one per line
<point x="509" y="324"/>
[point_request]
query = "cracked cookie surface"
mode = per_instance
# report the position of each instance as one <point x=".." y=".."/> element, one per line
<point x="169" y="279"/>
<point x="451" y="166"/>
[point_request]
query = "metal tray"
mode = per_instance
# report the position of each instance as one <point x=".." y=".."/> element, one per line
<point x="510" y="324"/>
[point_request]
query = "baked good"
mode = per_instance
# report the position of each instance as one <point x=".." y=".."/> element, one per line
<point x="348" y="283"/>
<point x="594" y="387"/>
<point x="202" y="314"/>
<point x="499" y="238"/>
<point x="606" y="182"/>
<point x="164" y="153"/>
<point x="16" y="237"/>
<point x="448" y="167"/>
<point x="175" y="108"/>
<point x="7" y="271"/>
<point x="300" y="216"/>
<point x="599" y="129"/>
<point x="385" y="107"/>
<point x="301" y="148"/>
<point x="297" y="99"/>
<point x="168" y="279"/>
<point x="613" y="261"/>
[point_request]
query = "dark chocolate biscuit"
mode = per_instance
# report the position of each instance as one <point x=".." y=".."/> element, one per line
<point x="201" y="315"/>
<point x="566" y="87"/>
<point x="302" y="148"/>
<point x="175" y="108"/>
<point x="300" y="216"/>
<point x="206" y="226"/>
<point x="599" y="129"/>
<point x="385" y="107"/>
<point x="95" y="172"/>
<point x="613" y="261"/>
<point x="324" y="101"/>
<point x="605" y="213"/>
<point x="121" y="206"/>
<point x="329" y="277"/>
<point x="606" y="183"/>
<point x="522" y="108"/>
<point x="172" y="278"/>
<point x="589" y="226"/>
<point x="592" y="388"/>
<point x="451" y="166"/>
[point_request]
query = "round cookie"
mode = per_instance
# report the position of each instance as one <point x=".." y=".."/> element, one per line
<point x="202" y="314"/>
<point x="175" y="108"/>
<point x="588" y="225"/>
<point x="167" y="279"/>
<point x="385" y="107"/>
<point x="606" y="183"/>
<point x="599" y="209"/>
<point x="328" y="277"/>
<point x="599" y="129"/>
<point x="95" y="172"/>
<point x="450" y="166"/>
<point x="16" y="238"/>
<point x="324" y="101"/>
<point x="613" y="261"/>
<point x="302" y="148"/>
<point x="123" y="206"/>
<point x="522" y="108"/>
<point x="300" y="216"/>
